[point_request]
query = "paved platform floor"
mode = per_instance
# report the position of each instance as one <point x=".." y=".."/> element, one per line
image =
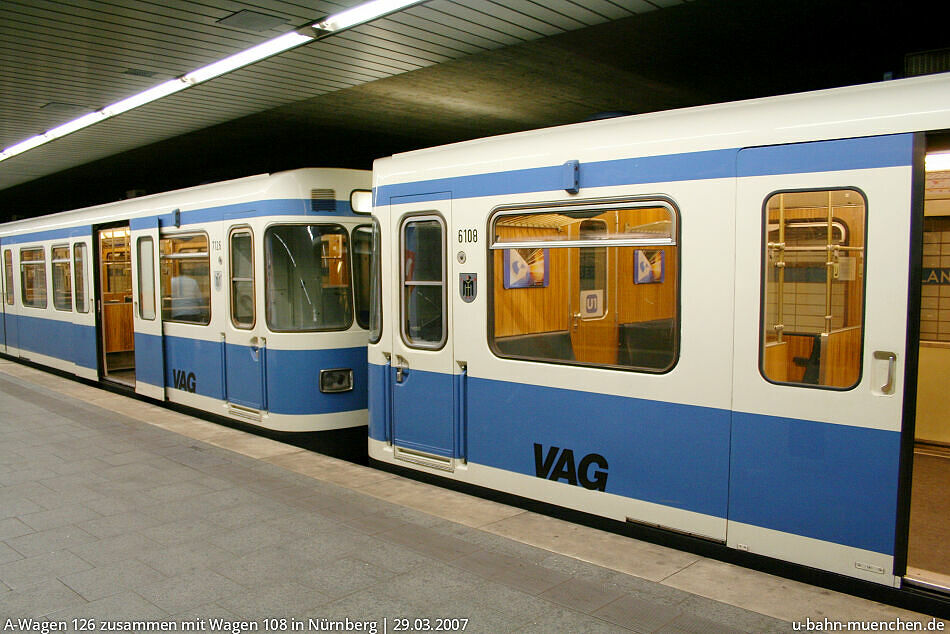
<point x="117" y="510"/>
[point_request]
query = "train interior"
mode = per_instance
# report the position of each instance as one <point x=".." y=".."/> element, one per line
<point x="928" y="554"/>
<point x="605" y="305"/>
<point x="115" y="296"/>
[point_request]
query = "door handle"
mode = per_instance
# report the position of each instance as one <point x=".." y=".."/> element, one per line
<point x="402" y="367"/>
<point x="891" y="358"/>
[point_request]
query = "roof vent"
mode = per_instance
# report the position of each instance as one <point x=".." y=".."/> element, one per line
<point x="252" y="20"/>
<point x="323" y="200"/>
<point x="927" y="62"/>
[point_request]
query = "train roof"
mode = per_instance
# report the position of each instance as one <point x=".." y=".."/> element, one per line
<point x="905" y="105"/>
<point x="289" y="184"/>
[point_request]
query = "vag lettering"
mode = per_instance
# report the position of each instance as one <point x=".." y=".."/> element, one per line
<point x="558" y="464"/>
<point x="184" y="381"/>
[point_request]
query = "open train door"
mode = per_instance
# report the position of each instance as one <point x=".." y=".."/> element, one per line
<point x="5" y="281"/>
<point x="146" y="317"/>
<point x="823" y="240"/>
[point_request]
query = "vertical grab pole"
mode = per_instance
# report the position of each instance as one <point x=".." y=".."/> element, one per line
<point x="461" y="408"/>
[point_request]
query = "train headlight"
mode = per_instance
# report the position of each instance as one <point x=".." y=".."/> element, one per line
<point x="339" y="380"/>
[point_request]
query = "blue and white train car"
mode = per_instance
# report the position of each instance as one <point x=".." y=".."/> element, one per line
<point x="703" y="320"/>
<point x="246" y="299"/>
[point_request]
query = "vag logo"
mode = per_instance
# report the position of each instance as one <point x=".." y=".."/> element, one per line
<point x="184" y="380"/>
<point x="558" y="464"/>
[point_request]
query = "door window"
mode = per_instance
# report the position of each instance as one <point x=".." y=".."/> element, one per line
<point x="423" y="282"/>
<point x="242" y="279"/>
<point x="79" y="268"/>
<point x="813" y="287"/>
<point x="8" y="275"/>
<point x="146" y="257"/>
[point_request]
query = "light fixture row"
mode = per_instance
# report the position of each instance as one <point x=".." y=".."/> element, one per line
<point x="346" y="19"/>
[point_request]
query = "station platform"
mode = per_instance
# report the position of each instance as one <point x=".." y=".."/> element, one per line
<point x="140" y="518"/>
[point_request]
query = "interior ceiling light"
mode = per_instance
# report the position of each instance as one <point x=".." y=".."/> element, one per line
<point x="332" y="24"/>
<point x="938" y="162"/>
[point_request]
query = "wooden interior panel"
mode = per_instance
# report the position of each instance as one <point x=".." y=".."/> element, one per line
<point x="842" y="357"/>
<point x="117" y="327"/>
<point x="776" y="361"/>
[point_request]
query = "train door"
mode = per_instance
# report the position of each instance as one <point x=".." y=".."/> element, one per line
<point x="84" y="318"/>
<point x="928" y="450"/>
<point x="423" y="365"/>
<point x="149" y="368"/>
<point x="115" y="305"/>
<point x="11" y="340"/>
<point x="246" y="346"/>
<point x="822" y="239"/>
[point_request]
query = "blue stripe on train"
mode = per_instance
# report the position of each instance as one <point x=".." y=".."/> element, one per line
<point x="830" y="482"/>
<point x="60" y="339"/>
<point x="822" y="156"/>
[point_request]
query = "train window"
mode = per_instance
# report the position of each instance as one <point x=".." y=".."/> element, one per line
<point x="376" y="293"/>
<point x="8" y="275"/>
<point x="587" y="284"/>
<point x="33" y="277"/>
<point x="62" y="278"/>
<point x="813" y="288"/>
<point x="423" y="282"/>
<point x="243" y="313"/>
<point x="79" y="272"/>
<point x="186" y="279"/>
<point x="307" y="281"/>
<point x="146" y="272"/>
<point x="362" y="273"/>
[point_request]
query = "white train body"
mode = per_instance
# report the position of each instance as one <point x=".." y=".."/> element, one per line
<point x="686" y="414"/>
<point x="194" y="296"/>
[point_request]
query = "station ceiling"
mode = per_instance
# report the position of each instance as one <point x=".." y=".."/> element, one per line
<point x="439" y="72"/>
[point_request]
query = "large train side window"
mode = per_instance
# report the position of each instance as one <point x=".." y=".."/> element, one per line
<point x="33" y="277"/>
<point x="79" y="272"/>
<point x="146" y="272"/>
<point x="587" y="284"/>
<point x="423" y="282"/>
<point x="362" y="273"/>
<point x="307" y="283"/>
<point x="813" y="288"/>
<point x="186" y="279"/>
<point x="8" y="275"/>
<point x="243" y="312"/>
<point x="62" y="278"/>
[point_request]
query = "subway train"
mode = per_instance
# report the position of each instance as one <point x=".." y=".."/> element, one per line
<point x="729" y="321"/>
<point x="246" y="299"/>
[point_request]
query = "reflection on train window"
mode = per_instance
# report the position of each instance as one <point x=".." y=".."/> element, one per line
<point x="8" y="274"/>
<point x="62" y="282"/>
<point x="376" y="293"/>
<point x="79" y="268"/>
<point x="591" y="284"/>
<point x="423" y="282"/>
<point x="307" y="278"/>
<point x="146" y="262"/>
<point x="186" y="279"/>
<point x="362" y="273"/>
<point x="813" y="287"/>
<point x="242" y="279"/>
<point x="33" y="277"/>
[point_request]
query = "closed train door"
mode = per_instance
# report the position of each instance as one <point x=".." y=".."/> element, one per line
<point x="246" y="346"/>
<point x="4" y="284"/>
<point x="822" y="266"/>
<point x="146" y="317"/>
<point x="11" y="339"/>
<point x="423" y="366"/>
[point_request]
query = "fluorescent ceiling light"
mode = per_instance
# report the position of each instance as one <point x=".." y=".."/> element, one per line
<point x="938" y="162"/>
<point x="75" y="124"/>
<point x="156" y="92"/>
<point x="363" y="13"/>
<point x="23" y="146"/>
<point x="254" y="54"/>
